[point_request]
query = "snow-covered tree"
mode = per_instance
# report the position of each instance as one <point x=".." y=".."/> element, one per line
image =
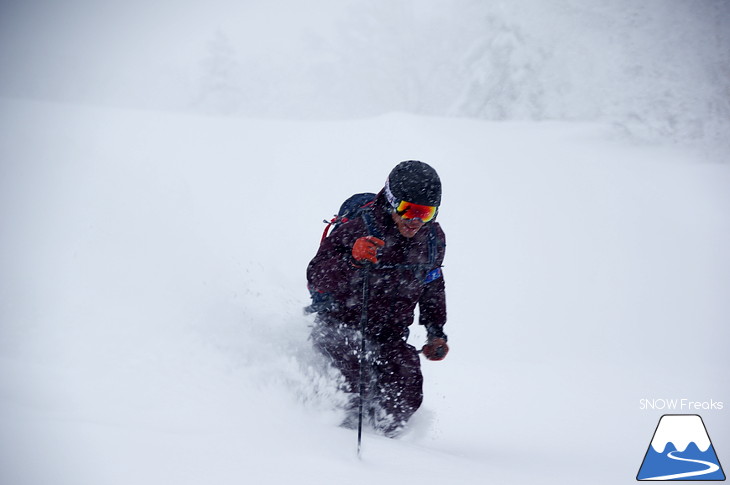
<point x="220" y="90"/>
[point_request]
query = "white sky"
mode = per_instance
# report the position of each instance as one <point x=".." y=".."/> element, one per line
<point x="84" y="41"/>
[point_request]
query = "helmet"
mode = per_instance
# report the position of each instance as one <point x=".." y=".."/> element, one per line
<point x="415" y="182"/>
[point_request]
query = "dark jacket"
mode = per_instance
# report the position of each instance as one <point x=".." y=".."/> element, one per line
<point x="408" y="273"/>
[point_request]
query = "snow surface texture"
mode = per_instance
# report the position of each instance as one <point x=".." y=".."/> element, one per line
<point x="153" y="279"/>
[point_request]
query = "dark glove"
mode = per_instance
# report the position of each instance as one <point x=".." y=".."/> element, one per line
<point x="435" y="349"/>
<point x="366" y="249"/>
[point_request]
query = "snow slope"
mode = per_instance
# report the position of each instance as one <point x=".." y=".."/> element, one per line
<point x="153" y="278"/>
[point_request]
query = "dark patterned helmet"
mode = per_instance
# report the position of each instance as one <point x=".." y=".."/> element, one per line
<point x="415" y="182"/>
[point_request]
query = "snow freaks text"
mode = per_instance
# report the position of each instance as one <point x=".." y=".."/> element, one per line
<point x="680" y="405"/>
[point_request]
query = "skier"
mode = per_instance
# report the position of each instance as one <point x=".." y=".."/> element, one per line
<point x="395" y="252"/>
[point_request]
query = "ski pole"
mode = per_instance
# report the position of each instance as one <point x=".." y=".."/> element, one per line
<point x="363" y="322"/>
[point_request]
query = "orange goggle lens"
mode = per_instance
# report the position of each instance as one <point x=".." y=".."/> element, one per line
<point x="414" y="211"/>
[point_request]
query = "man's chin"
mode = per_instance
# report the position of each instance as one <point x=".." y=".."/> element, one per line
<point x="409" y="233"/>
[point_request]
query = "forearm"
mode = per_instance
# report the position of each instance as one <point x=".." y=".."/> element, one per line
<point x="432" y="309"/>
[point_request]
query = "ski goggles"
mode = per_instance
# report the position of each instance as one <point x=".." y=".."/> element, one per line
<point x="407" y="210"/>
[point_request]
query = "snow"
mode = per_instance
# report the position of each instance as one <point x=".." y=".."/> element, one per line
<point x="151" y="326"/>
<point x="660" y="68"/>
<point x="152" y="262"/>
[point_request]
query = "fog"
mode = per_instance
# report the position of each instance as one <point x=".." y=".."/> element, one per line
<point x="657" y="69"/>
<point x="164" y="171"/>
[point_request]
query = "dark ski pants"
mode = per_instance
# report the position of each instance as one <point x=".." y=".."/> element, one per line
<point x="392" y="384"/>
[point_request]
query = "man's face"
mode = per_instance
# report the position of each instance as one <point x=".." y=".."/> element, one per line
<point x="407" y="227"/>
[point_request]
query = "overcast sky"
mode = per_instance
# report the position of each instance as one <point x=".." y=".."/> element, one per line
<point x="52" y="48"/>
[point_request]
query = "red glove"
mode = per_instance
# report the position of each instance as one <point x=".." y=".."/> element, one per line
<point x="435" y="349"/>
<point x="366" y="249"/>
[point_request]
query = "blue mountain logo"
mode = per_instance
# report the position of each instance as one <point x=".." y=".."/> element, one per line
<point x="681" y="450"/>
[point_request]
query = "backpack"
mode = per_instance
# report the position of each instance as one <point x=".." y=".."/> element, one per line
<point x="357" y="205"/>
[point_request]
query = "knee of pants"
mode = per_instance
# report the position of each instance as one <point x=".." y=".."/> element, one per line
<point x="400" y="378"/>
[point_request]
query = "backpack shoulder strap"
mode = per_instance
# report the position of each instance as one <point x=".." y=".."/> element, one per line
<point x="432" y="246"/>
<point x="366" y="212"/>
